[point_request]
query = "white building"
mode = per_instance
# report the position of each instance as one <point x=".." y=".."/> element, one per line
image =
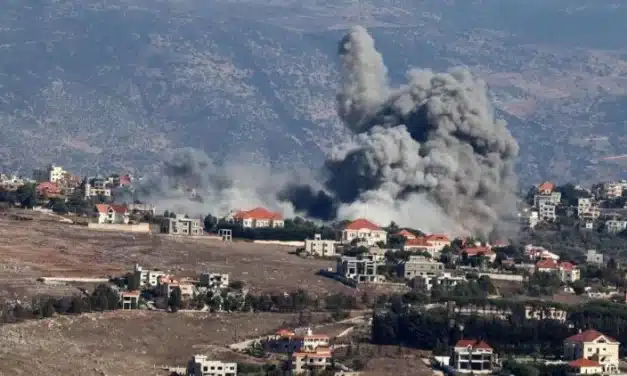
<point x="594" y="257"/>
<point x="214" y="280"/>
<point x="473" y="357"/>
<point x="50" y="173"/>
<point x="613" y="190"/>
<point x="445" y="281"/>
<point x="199" y="365"/>
<point x="615" y="226"/>
<point x="546" y="210"/>
<point x="566" y="271"/>
<point x="320" y="247"/>
<point x="363" y="230"/>
<point x="257" y="218"/>
<point x="113" y="214"/>
<point x="95" y="187"/>
<point x="535" y="253"/>
<point x="587" y="209"/>
<point x="148" y="278"/>
<point x="592" y="349"/>
<point x="304" y="362"/>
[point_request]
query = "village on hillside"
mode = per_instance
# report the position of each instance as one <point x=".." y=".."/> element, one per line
<point x="367" y="291"/>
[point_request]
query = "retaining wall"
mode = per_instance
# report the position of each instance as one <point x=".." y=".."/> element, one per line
<point x="141" y="227"/>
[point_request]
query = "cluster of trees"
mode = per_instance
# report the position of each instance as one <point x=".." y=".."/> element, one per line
<point x="103" y="298"/>
<point x="398" y="324"/>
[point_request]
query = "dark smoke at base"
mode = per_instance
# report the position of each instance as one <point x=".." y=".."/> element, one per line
<point x="429" y="154"/>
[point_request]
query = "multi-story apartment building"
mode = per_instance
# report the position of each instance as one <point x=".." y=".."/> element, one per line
<point x="473" y="357"/>
<point x="545" y="313"/>
<point x="181" y="225"/>
<point x="546" y="210"/>
<point x="592" y="350"/>
<point x="419" y="265"/>
<point x="50" y="173"/>
<point x="257" y="218"/>
<point x="615" y="226"/>
<point x="214" y="280"/>
<point x="199" y="365"/>
<point x="148" y="278"/>
<point x="320" y="247"/>
<point x="95" y="187"/>
<point x="310" y="362"/>
<point x="364" y="231"/>
<point x="360" y="268"/>
<point x="587" y="209"/>
<point x="613" y="190"/>
<point x="303" y="340"/>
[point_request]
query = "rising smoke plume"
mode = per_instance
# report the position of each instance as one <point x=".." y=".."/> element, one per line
<point x="428" y="154"/>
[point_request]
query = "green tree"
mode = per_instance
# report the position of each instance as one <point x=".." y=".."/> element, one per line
<point x="26" y="195"/>
<point x="175" y="301"/>
<point x="210" y="222"/>
<point x="59" y="206"/>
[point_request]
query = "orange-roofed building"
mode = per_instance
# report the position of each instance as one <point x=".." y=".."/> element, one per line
<point x="287" y="341"/>
<point x="429" y="243"/>
<point x="567" y="271"/>
<point x="590" y="349"/>
<point x="303" y="362"/>
<point x="584" y="366"/>
<point x="130" y="299"/>
<point x="258" y="218"/>
<point x="546" y="188"/>
<point x="476" y="251"/>
<point x="473" y="357"/>
<point x="363" y="230"/>
<point x="112" y="213"/>
<point x="406" y="234"/>
<point x="48" y="189"/>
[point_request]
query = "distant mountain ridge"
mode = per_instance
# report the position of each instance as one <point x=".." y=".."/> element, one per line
<point x="118" y="84"/>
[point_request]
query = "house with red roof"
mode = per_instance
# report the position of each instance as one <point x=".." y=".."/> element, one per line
<point x="590" y="352"/>
<point x="364" y="231"/>
<point x="258" y="218"/>
<point x="567" y="271"/>
<point x="474" y="251"/>
<point x="48" y="189"/>
<point x="406" y="234"/>
<point x="472" y="356"/>
<point x="546" y="188"/>
<point x="113" y="213"/>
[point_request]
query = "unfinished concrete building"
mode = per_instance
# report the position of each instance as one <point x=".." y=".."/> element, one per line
<point x="360" y="268"/>
<point x="199" y="365"/>
<point x="181" y="226"/>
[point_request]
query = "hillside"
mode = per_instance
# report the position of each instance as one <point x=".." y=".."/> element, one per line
<point x="116" y="84"/>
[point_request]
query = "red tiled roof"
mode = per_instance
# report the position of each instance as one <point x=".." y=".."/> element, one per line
<point x="474" y="251"/>
<point x="589" y="335"/>
<point x="437" y="238"/>
<point x="546" y="186"/>
<point x="583" y="363"/>
<point x="406" y="234"/>
<point x="258" y="213"/>
<point x="125" y="180"/>
<point x="567" y="265"/>
<point x="418" y="242"/>
<point x="473" y="343"/>
<point x="361" y="223"/>
<point x="546" y="264"/>
<point x="104" y="208"/>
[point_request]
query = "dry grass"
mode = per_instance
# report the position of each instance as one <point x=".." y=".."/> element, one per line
<point x="45" y="248"/>
<point x="125" y="343"/>
<point x="387" y="360"/>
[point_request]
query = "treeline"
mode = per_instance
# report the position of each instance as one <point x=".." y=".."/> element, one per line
<point x="434" y="329"/>
<point x="103" y="298"/>
<point x="296" y="229"/>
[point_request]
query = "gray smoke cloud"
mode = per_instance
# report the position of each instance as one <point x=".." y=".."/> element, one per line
<point x="190" y="182"/>
<point x="429" y="154"/>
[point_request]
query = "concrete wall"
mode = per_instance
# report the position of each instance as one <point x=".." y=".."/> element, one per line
<point x="279" y="242"/>
<point x="55" y="280"/>
<point x="504" y="277"/>
<point x="141" y="227"/>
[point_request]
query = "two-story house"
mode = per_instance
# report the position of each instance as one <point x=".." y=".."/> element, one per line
<point x="117" y="214"/>
<point x="590" y="352"/>
<point x="568" y="272"/>
<point x="258" y="218"/>
<point x="364" y="231"/>
<point x="473" y="357"/>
